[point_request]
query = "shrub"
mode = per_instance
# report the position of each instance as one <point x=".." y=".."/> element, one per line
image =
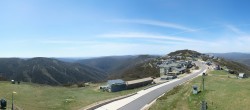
<point x="197" y="67"/>
<point x="81" y="84"/>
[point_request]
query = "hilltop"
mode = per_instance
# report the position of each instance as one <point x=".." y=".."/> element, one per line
<point x="185" y="53"/>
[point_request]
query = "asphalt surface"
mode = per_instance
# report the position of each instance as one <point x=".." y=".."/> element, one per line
<point x="140" y="102"/>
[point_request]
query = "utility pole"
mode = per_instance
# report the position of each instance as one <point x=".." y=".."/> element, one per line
<point x="203" y="103"/>
<point x="12" y="107"/>
<point x="203" y="81"/>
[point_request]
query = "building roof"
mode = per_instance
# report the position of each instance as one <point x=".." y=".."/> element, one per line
<point x="117" y="81"/>
<point x="139" y="80"/>
<point x="168" y="65"/>
<point x="179" y="69"/>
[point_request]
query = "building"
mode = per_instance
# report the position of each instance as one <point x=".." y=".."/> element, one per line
<point x="190" y="64"/>
<point x="179" y="57"/>
<point x="174" y="67"/>
<point x="218" y="67"/>
<point x="179" y="70"/>
<point x="116" y="85"/>
<point x="242" y="75"/>
<point x="167" y="67"/>
<point x="163" y="71"/>
<point x="139" y="83"/>
<point x="119" y="85"/>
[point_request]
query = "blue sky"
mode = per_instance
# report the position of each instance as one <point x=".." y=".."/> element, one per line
<point x="90" y="28"/>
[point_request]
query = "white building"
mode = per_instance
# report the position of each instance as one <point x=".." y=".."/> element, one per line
<point x="242" y="75"/>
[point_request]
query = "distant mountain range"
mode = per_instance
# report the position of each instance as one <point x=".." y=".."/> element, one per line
<point x="243" y="58"/>
<point x="60" y="71"/>
<point x="48" y="71"/>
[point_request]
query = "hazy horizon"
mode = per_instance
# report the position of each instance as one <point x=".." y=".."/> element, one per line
<point x="91" y="28"/>
<point x="89" y="57"/>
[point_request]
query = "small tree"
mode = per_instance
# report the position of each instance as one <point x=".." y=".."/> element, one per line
<point x="188" y="71"/>
<point x="82" y="84"/>
<point x="197" y="67"/>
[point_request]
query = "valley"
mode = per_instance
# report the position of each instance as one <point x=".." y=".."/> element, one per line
<point x="59" y="85"/>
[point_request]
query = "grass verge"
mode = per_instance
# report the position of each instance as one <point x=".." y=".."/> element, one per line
<point x="41" y="97"/>
<point x="221" y="93"/>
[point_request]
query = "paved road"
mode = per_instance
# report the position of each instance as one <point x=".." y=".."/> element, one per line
<point x="147" y="98"/>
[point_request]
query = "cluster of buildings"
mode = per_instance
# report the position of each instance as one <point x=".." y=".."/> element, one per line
<point x="170" y="68"/>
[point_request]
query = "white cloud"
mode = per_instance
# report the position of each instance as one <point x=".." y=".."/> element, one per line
<point x="235" y="29"/>
<point x="150" y="36"/>
<point x="116" y="44"/>
<point x="157" y="23"/>
<point x="244" y="38"/>
<point x="67" y="42"/>
<point x="160" y="42"/>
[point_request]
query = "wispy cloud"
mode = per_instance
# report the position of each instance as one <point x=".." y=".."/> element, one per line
<point x="235" y="29"/>
<point x="150" y="36"/>
<point x="67" y="42"/>
<point x="158" y="23"/>
<point x="165" y="42"/>
<point x="236" y="40"/>
<point x="244" y="38"/>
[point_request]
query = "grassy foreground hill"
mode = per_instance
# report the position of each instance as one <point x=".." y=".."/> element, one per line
<point x="43" y="97"/>
<point x="221" y="93"/>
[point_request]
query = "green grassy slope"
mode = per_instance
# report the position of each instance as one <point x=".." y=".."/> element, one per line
<point x="40" y="97"/>
<point x="238" y="67"/>
<point x="222" y="93"/>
